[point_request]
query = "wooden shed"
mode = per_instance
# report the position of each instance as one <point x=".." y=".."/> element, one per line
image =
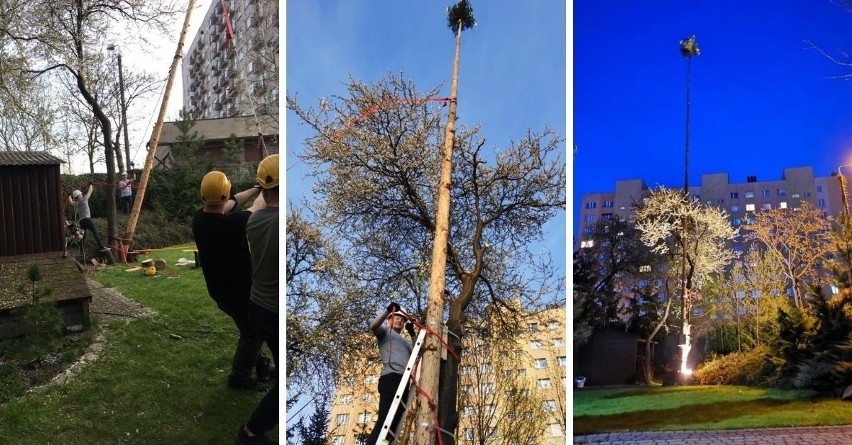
<point x="32" y="232"/>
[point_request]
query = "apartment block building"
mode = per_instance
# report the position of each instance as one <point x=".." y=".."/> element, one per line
<point x="232" y="74"/>
<point x="514" y="390"/>
<point x="740" y="199"/>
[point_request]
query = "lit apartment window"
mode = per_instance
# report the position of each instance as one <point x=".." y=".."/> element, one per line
<point x="341" y="419"/>
<point x="782" y="205"/>
<point x="622" y="207"/>
<point x="467" y="389"/>
<point x="795" y="196"/>
<point x="591" y="205"/>
<point x="749" y="195"/>
<point x="782" y="192"/>
<point x="549" y="405"/>
<point x="765" y="193"/>
<point x="544" y="384"/>
<point x="766" y="206"/>
<point x="735" y="195"/>
<point x="540" y="363"/>
<point x="735" y="209"/>
<point x="749" y="207"/>
<point x="644" y="268"/>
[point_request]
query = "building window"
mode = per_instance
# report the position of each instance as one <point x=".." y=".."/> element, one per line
<point x="338" y="440"/>
<point x="465" y="370"/>
<point x="736" y="222"/>
<point x="766" y="206"/>
<point x="782" y="205"/>
<point x="720" y="201"/>
<point x="535" y="344"/>
<point x="468" y="434"/>
<point x="549" y="405"/>
<point x="540" y="363"/>
<point x="587" y="244"/>
<point x="795" y="196"/>
<point x="367" y="398"/>
<point x="782" y="192"/>
<point x="522" y="372"/>
<point x="749" y="207"/>
<point x="588" y="230"/>
<point x="819" y="189"/>
<point x="467" y="389"/>
<point x="749" y="195"/>
<point x="485" y="368"/>
<point x="558" y="342"/>
<point x="467" y="411"/>
<point x="544" y="384"/>
<point x="608" y="204"/>
<point x="562" y="361"/>
<point x="346" y="400"/>
<point x="589" y="218"/>
<point x="645" y="268"/>
<point x="622" y="207"/>
<point x="341" y="419"/>
<point x="553" y="325"/>
<point x="735" y="209"/>
<point x="765" y="193"/>
<point x="606" y="217"/>
<point x="821" y="202"/>
<point x="555" y="430"/>
<point x="487" y="388"/>
<point x="591" y="205"/>
<point x="371" y="380"/>
<point x="735" y="195"/>
<point x="532" y="327"/>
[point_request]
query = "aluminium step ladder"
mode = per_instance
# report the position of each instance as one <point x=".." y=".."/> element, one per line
<point x="386" y="436"/>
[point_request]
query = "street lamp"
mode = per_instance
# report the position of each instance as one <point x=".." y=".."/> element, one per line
<point x="123" y="106"/>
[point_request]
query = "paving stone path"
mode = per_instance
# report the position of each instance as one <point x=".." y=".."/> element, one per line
<point x="823" y="435"/>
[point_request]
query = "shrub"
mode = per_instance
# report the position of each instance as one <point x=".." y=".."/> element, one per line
<point x="751" y="368"/>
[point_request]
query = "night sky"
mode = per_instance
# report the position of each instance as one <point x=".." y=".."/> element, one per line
<point x="761" y="100"/>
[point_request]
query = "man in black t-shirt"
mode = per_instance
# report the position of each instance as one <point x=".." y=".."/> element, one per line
<point x="219" y="229"/>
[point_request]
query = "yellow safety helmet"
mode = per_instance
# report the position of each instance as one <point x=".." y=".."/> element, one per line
<point x="267" y="172"/>
<point x="149" y="271"/>
<point x="215" y="188"/>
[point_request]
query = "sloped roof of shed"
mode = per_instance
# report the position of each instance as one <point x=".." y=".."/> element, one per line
<point x="28" y="158"/>
<point x="59" y="273"/>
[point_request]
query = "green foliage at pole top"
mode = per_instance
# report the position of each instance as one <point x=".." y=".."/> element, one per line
<point x="460" y="13"/>
<point x="689" y="47"/>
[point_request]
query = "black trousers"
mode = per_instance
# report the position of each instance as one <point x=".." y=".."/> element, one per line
<point x="265" y="416"/>
<point x="388" y="385"/>
<point x="87" y="225"/>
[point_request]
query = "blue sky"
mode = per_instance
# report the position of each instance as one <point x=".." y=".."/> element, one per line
<point x="512" y="72"/>
<point x="761" y="99"/>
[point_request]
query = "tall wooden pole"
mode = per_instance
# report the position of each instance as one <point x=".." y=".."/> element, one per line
<point x="431" y="360"/>
<point x="155" y="136"/>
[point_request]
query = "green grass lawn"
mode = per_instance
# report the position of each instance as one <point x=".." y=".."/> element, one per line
<point x="147" y="387"/>
<point x="598" y="410"/>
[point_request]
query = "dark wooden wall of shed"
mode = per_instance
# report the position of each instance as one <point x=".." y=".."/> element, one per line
<point x="31" y="201"/>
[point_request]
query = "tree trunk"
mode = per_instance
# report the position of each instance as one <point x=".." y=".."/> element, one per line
<point x="648" y="369"/>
